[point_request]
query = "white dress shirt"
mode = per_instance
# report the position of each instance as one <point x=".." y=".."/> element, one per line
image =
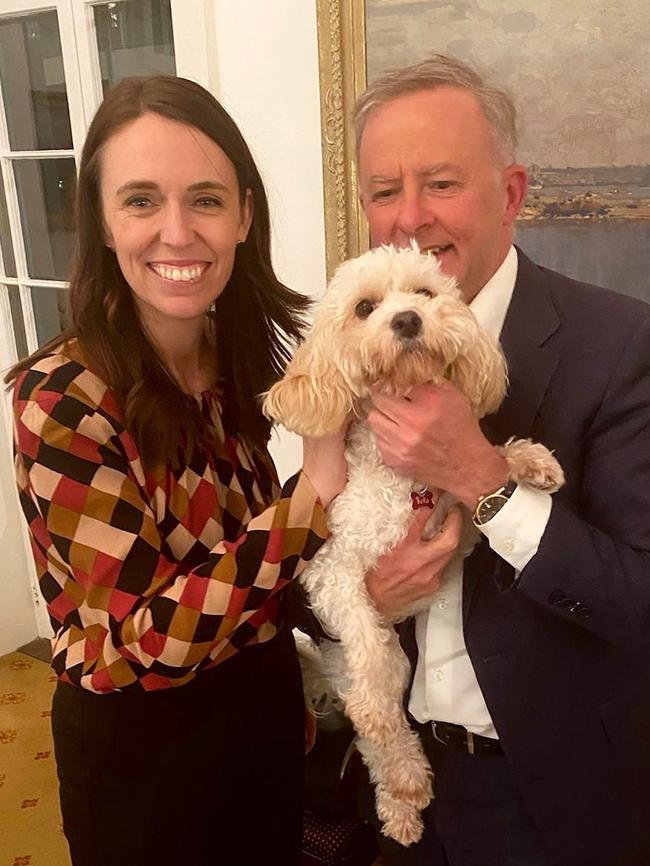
<point x="445" y="688"/>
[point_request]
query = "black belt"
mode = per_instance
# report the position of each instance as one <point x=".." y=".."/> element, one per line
<point x="459" y="738"/>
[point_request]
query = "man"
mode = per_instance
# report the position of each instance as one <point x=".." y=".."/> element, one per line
<point x="531" y="685"/>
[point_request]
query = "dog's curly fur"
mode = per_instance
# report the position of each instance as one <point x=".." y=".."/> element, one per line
<point x="390" y="320"/>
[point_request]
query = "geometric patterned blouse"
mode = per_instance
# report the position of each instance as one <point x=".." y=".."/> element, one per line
<point x="149" y="577"/>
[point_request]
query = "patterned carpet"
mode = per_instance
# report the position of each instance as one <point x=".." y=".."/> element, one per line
<point x="29" y="804"/>
<point x="30" y="819"/>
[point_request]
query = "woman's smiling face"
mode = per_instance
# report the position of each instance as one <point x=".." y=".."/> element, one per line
<point x="173" y="214"/>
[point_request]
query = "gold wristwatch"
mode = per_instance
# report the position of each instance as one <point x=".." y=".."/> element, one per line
<point x="491" y="503"/>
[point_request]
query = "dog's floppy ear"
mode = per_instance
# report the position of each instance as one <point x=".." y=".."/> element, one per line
<point x="314" y="397"/>
<point x="480" y="373"/>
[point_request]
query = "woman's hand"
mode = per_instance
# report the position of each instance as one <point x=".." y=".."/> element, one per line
<point x="414" y="568"/>
<point x="323" y="462"/>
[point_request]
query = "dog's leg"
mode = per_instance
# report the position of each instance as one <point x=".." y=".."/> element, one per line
<point x="399" y="814"/>
<point x="401" y="821"/>
<point x="375" y="670"/>
<point x="399" y="764"/>
<point x="532" y="464"/>
<point x="370" y="671"/>
<point x="401" y="769"/>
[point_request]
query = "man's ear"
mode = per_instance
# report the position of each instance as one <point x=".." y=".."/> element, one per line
<point x="362" y="202"/>
<point x="515" y="179"/>
<point x="247" y="216"/>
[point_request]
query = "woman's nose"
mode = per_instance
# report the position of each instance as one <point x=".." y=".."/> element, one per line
<point x="176" y="228"/>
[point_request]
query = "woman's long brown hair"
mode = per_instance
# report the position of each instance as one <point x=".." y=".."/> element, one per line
<point x="256" y="317"/>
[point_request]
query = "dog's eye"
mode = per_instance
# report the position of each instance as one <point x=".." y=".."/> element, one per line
<point x="364" y="308"/>
<point x="424" y="291"/>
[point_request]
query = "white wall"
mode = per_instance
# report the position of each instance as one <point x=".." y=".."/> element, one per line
<point x="265" y="71"/>
<point x="267" y="78"/>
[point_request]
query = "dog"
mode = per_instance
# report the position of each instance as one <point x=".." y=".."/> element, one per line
<point x="390" y="320"/>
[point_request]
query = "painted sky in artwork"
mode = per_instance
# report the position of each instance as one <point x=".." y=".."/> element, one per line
<point x="579" y="71"/>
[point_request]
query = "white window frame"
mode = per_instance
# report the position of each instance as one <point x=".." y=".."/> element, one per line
<point x="12" y="9"/>
<point x="193" y="27"/>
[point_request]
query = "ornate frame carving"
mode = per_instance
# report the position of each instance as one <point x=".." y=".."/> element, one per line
<point x="342" y="64"/>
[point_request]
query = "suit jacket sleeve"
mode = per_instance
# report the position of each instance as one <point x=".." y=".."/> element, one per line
<point x="593" y="563"/>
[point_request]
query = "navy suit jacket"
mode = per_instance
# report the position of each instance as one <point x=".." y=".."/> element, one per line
<point x="563" y="654"/>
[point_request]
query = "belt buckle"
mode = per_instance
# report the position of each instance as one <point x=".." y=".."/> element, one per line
<point x="435" y="734"/>
<point x="469" y="739"/>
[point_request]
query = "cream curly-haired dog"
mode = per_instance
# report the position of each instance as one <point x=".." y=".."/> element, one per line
<point x="390" y="320"/>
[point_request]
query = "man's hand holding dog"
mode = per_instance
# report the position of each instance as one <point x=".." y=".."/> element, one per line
<point x="414" y="568"/>
<point x="433" y="436"/>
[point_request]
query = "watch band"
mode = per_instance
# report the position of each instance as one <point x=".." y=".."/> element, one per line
<point x="491" y="503"/>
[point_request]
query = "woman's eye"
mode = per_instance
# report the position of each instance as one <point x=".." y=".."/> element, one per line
<point x="208" y="201"/>
<point x="424" y="291"/>
<point x="364" y="308"/>
<point x="138" y="201"/>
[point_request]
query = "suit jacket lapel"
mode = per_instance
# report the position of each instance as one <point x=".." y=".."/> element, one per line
<point x="531" y="352"/>
<point x="531" y="344"/>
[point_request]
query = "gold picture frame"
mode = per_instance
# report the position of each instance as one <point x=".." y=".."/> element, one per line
<point x="588" y="209"/>
<point x="342" y="64"/>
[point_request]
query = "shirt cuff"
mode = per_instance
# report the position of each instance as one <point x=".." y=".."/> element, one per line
<point x="515" y="532"/>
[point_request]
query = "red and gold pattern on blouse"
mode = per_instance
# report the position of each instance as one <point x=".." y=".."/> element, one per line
<point x="149" y="577"/>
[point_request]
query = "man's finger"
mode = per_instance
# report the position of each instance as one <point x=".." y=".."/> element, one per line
<point x="447" y="537"/>
<point x="418" y="523"/>
<point x="453" y="522"/>
<point x="454" y="516"/>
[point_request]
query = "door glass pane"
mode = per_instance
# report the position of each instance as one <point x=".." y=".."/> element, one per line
<point x="33" y="83"/>
<point x="134" y="37"/>
<point x="17" y="320"/>
<point x="5" y="236"/>
<point x="46" y="199"/>
<point x="51" y="312"/>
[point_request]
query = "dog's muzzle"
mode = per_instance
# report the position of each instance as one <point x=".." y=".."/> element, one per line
<point x="406" y="324"/>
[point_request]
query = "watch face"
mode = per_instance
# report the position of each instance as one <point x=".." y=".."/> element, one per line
<point x="492" y="503"/>
<point x="490" y="506"/>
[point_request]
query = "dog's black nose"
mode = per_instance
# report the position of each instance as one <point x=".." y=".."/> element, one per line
<point x="406" y="324"/>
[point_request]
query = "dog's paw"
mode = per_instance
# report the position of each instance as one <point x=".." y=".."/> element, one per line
<point x="407" y="776"/>
<point x="532" y="464"/>
<point x="418" y="796"/>
<point x="401" y="821"/>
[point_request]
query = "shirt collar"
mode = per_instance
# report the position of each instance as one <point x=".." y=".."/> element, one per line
<point x="491" y="304"/>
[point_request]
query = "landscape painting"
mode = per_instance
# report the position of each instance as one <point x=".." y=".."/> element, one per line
<point x="580" y="76"/>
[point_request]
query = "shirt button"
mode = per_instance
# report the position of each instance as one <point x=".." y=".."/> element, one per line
<point x="508" y="546"/>
<point x="438" y="675"/>
<point x="443" y="604"/>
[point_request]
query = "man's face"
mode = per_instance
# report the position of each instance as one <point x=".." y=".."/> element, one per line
<point x="429" y="169"/>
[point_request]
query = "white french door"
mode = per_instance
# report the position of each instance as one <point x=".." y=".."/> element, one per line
<point x="57" y="59"/>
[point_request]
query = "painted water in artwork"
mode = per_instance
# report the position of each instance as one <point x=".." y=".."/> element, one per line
<point x="607" y="253"/>
<point x="580" y="76"/>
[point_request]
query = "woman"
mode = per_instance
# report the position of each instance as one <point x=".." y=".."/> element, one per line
<point x="160" y="536"/>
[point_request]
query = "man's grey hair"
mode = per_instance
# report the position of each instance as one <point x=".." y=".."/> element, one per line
<point x="441" y="71"/>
